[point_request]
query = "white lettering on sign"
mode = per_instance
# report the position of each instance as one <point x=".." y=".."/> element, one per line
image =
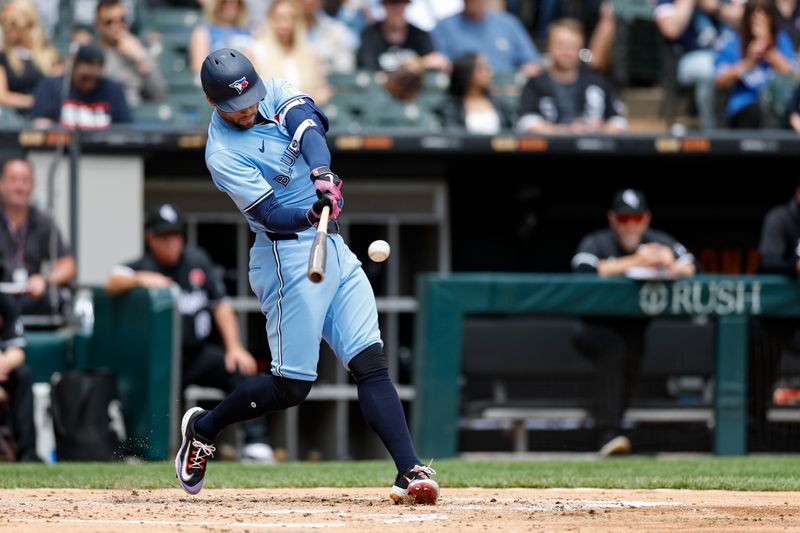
<point x="718" y="297"/>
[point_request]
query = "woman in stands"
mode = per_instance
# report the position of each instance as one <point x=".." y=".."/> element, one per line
<point x="225" y="27"/>
<point x="470" y="105"/>
<point x="760" y="59"/>
<point x="282" y="51"/>
<point x="26" y="55"/>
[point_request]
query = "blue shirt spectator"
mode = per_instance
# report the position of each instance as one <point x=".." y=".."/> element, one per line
<point x="746" y="90"/>
<point x="755" y="66"/>
<point x="499" y="36"/>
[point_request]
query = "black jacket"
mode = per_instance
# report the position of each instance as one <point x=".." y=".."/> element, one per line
<point x="602" y="244"/>
<point x="780" y="239"/>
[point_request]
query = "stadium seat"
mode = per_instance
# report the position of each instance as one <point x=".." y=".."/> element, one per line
<point x="173" y="59"/>
<point x="392" y="113"/>
<point x="350" y="82"/>
<point x="435" y="81"/>
<point x="339" y="116"/>
<point x="191" y="109"/>
<point x="172" y="20"/>
<point x="431" y="101"/>
<point x="508" y="81"/>
<point x="154" y="113"/>
<point x="630" y="10"/>
<point x="349" y="103"/>
<point x="179" y="111"/>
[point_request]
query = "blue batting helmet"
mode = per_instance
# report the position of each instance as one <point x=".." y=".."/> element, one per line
<point x="230" y="80"/>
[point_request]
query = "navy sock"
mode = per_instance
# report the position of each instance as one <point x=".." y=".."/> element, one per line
<point x="254" y="397"/>
<point x="384" y="413"/>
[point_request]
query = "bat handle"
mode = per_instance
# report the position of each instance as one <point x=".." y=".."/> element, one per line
<point x="323" y="219"/>
<point x="319" y="249"/>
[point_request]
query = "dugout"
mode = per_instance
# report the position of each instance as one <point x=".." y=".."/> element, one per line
<point x="453" y="203"/>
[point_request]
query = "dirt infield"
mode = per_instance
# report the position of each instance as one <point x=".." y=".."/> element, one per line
<point x="68" y="510"/>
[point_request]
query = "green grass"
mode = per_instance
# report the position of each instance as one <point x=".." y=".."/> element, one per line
<point x="740" y="473"/>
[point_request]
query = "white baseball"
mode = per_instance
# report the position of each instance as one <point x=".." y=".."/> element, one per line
<point x="379" y="251"/>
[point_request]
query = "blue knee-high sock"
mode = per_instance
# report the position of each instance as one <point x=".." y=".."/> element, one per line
<point x="384" y="413"/>
<point x="254" y="397"/>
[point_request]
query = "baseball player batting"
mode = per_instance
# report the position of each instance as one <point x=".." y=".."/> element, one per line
<point x="266" y="149"/>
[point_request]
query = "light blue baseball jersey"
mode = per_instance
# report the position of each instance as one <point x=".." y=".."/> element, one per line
<point x="250" y="165"/>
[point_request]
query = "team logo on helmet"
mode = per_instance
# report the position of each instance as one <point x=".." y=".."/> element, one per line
<point x="240" y="85"/>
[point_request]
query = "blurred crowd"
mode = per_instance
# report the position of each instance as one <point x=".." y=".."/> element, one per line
<point x="483" y="66"/>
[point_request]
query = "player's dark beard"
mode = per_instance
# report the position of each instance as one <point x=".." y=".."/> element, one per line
<point x="260" y="119"/>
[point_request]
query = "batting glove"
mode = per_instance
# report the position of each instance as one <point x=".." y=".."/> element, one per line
<point x="328" y="183"/>
<point x="316" y="209"/>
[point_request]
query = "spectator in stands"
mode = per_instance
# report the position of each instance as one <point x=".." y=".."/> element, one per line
<point x="692" y="29"/>
<point x="25" y="240"/>
<point x="16" y="381"/>
<point x="168" y="260"/>
<point x="387" y="44"/>
<point x="91" y="101"/>
<point x="26" y="55"/>
<point x="496" y="34"/>
<point x="84" y="13"/>
<point x="333" y="41"/>
<point x="779" y="248"/>
<point x="628" y="247"/>
<point x="568" y="97"/>
<point x="282" y="51"/>
<point x="762" y="57"/>
<point x="127" y="61"/>
<point x="471" y="105"/>
<point x="597" y="17"/>
<point x="789" y="20"/>
<point x="225" y="27"/>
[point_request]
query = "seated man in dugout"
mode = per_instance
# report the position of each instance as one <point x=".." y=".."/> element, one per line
<point x="44" y="273"/>
<point x="204" y="308"/>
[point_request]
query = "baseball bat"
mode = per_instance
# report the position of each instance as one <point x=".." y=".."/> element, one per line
<point x="319" y="249"/>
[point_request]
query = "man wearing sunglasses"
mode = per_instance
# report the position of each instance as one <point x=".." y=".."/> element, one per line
<point x="127" y="61"/>
<point x="627" y="247"/>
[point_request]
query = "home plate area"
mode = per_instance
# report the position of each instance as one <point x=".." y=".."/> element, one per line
<point x="367" y="509"/>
